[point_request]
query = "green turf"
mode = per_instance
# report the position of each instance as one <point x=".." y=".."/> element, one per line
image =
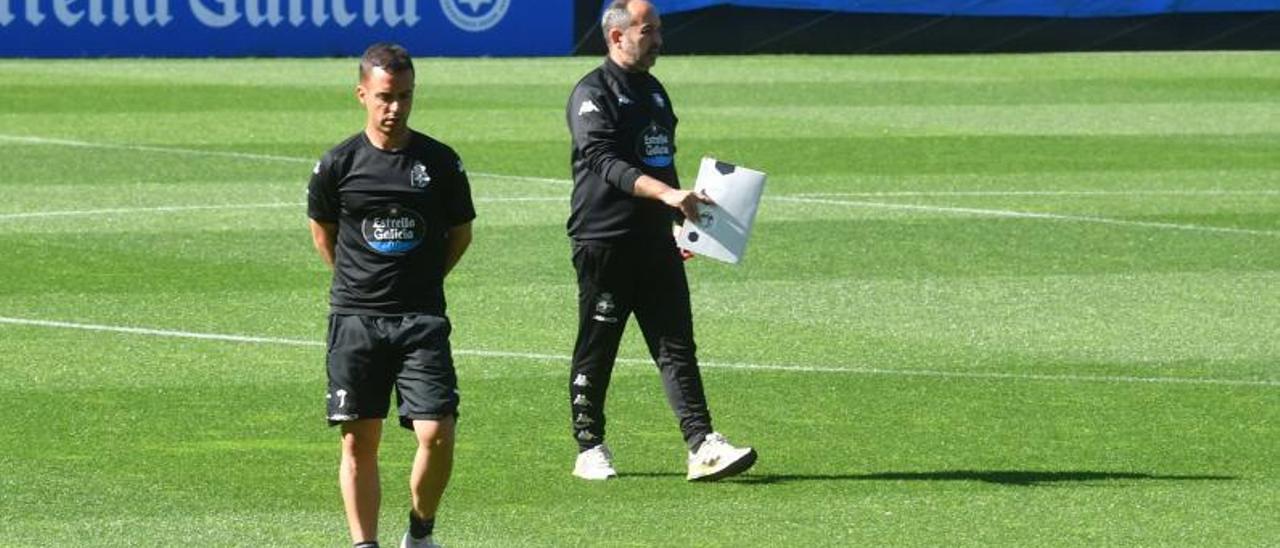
<point x="992" y="300"/>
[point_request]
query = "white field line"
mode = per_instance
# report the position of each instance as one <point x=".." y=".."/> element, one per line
<point x="232" y="207"/>
<point x="1026" y="215"/>
<point x="225" y="154"/>
<point x="156" y="209"/>
<point x="501" y="177"/>
<point x="146" y="148"/>
<point x="708" y="364"/>
<point x="978" y="193"/>
<point x="499" y="200"/>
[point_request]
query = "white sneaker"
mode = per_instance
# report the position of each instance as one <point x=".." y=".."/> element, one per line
<point x="716" y="459"/>
<point x="410" y="542"/>
<point x="595" y="464"/>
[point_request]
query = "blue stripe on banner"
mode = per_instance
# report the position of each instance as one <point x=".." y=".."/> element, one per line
<point x="201" y="28"/>
<point x="1026" y="8"/>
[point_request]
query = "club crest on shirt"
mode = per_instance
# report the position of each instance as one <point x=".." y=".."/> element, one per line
<point x="418" y="177"/>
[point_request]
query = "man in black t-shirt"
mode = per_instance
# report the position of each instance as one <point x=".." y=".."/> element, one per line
<point x="626" y="196"/>
<point x="391" y="214"/>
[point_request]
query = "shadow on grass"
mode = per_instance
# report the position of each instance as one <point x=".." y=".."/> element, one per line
<point x="1000" y="477"/>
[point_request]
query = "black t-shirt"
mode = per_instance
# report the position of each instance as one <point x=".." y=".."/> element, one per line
<point x="393" y="210"/>
<point x="622" y="125"/>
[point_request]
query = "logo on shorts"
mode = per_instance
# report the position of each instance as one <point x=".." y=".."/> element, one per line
<point x="586" y="435"/>
<point x="393" y="231"/>
<point x="656" y="147"/>
<point x="339" y="409"/>
<point x="582" y="400"/>
<point x="582" y="421"/>
<point x="475" y="17"/>
<point x="418" y="176"/>
<point x="581" y="381"/>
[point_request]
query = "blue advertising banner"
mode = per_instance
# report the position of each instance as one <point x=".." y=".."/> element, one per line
<point x="1026" y="8"/>
<point x="202" y="28"/>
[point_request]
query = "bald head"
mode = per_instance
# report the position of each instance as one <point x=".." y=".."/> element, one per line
<point x="633" y="33"/>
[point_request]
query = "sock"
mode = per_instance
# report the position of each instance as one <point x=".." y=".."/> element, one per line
<point x="366" y="544"/>
<point x="695" y="442"/>
<point x="420" y="528"/>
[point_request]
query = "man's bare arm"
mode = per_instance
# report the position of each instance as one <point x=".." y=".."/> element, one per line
<point x="684" y="200"/>
<point x="325" y="238"/>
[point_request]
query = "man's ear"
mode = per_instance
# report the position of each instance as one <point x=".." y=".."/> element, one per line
<point x="615" y="37"/>
<point x="360" y="93"/>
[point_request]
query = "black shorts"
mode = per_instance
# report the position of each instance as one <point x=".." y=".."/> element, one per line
<point x="368" y="355"/>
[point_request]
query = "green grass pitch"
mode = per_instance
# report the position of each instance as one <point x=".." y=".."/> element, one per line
<point x="991" y="300"/>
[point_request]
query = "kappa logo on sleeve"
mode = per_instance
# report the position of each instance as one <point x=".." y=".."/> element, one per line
<point x="316" y="170"/>
<point x="587" y="107"/>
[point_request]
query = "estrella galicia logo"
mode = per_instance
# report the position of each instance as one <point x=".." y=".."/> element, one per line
<point x="657" y="147"/>
<point x="477" y="16"/>
<point x="393" y="230"/>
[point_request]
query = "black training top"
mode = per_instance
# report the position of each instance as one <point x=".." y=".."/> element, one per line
<point x="393" y="210"/>
<point x="622" y="125"/>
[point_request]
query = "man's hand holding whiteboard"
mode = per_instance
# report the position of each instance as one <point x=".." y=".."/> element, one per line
<point x="722" y="228"/>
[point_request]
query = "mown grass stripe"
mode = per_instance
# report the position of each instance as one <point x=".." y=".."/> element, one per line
<point x="709" y="364"/>
<point x="220" y="153"/>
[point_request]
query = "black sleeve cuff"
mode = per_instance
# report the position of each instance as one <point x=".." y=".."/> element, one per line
<point x="627" y="180"/>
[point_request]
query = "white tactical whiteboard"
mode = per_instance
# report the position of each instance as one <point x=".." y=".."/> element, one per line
<point x="722" y="229"/>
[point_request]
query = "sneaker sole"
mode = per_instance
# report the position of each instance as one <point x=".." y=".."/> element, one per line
<point x="737" y="467"/>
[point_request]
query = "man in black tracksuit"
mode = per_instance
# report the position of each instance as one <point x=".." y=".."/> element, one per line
<point x="626" y="197"/>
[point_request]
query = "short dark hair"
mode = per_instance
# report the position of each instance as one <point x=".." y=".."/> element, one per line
<point x="390" y="57"/>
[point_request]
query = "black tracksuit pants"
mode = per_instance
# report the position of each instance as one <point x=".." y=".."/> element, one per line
<point x="614" y="280"/>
